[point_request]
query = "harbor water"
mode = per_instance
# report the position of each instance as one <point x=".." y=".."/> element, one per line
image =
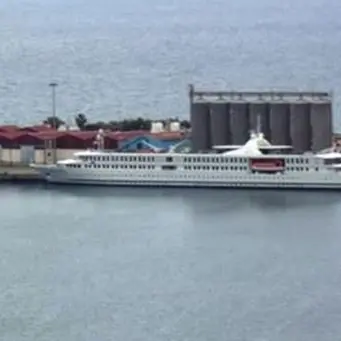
<point x="81" y="263"/>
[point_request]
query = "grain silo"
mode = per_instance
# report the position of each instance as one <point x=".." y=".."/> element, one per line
<point x="279" y="113"/>
<point x="220" y="123"/>
<point x="321" y="125"/>
<point x="239" y="122"/>
<point x="300" y="129"/>
<point x="300" y="119"/>
<point x="200" y="124"/>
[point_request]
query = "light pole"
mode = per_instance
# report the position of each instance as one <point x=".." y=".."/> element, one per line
<point x="53" y="86"/>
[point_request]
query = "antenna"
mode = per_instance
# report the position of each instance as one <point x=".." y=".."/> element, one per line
<point x="259" y="124"/>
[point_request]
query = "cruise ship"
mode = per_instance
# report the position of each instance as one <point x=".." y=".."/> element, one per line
<point x="256" y="164"/>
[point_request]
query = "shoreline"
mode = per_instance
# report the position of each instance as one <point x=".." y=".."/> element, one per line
<point x="19" y="174"/>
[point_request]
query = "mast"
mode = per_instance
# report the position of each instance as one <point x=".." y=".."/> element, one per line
<point x="259" y="125"/>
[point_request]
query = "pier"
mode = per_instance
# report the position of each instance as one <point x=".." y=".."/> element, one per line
<point x="18" y="173"/>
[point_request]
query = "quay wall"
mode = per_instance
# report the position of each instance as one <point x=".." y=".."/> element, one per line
<point x="42" y="156"/>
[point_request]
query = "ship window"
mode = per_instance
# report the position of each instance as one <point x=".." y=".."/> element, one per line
<point x="168" y="167"/>
<point x="169" y="159"/>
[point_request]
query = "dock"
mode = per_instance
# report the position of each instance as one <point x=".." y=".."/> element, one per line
<point x="18" y="174"/>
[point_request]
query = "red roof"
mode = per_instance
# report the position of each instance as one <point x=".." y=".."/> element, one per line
<point x="9" y="136"/>
<point x="161" y="136"/>
<point x="38" y="136"/>
<point x="8" y="128"/>
<point x="82" y="135"/>
<point x="168" y="135"/>
<point x="44" y="133"/>
<point x="37" y="128"/>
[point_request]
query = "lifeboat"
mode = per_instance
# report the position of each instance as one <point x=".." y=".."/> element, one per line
<point x="267" y="165"/>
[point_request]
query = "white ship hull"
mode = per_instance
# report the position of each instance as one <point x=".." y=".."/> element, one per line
<point x="305" y="180"/>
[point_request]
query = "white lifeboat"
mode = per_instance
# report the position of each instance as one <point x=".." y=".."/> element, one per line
<point x="329" y="155"/>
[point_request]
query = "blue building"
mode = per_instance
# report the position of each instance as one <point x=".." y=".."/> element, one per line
<point x="145" y="143"/>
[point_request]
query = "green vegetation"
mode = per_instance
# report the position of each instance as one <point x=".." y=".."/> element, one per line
<point x="138" y="123"/>
<point x="54" y="122"/>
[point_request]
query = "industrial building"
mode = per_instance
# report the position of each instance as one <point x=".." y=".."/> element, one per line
<point x="300" y="119"/>
<point x="24" y="145"/>
<point x="145" y="142"/>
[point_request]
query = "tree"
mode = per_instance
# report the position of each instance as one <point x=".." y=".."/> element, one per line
<point x="185" y="124"/>
<point x="54" y="121"/>
<point x="81" y="121"/>
<point x="95" y="126"/>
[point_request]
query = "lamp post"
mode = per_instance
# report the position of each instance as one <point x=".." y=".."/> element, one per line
<point x="53" y="87"/>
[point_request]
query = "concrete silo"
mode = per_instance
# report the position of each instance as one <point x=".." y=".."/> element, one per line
<point x="300" y="129"/>
<point x="321" y="125"/>
<point x="300" y="119"/>
<point x="259" y="114"/>
<point x="279" y="113"/>
<point x="200" y="124"/>
<point x="239" y="122"/>
<point x="220" y="124"/>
